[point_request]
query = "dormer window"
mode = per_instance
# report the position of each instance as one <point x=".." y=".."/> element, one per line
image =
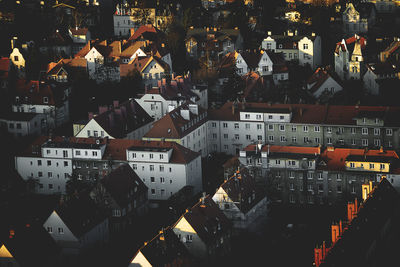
<point x="45" y="100"/>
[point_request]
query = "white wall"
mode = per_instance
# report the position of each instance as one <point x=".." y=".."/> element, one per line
<point x="370" y="84"/>
<point x="327" y="87"/>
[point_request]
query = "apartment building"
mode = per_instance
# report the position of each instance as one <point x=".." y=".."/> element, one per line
<point x="185" y="125"/>
<point x="164" y="167"/>
<point x="236" y="125"/>
<point x="307" y="175"/>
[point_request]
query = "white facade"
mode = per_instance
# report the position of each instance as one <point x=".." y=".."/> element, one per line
<point x="156" y="105"/>
<point x="18" y="61"/>
<point x="93" y="58"/>
<point x="328" y="87"/>
<point x="163" y="177"/>
<point x="310" y="52"/>
<point x="153" y="72"/>
<point x="70" y="243"/>
<point x="241" y="65"/>
<point x="369" y="81"/>
<point x="19" y="128"/>
<point x="196" y="140"/>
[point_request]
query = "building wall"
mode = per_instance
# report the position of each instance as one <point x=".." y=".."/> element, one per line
<point x="196" y="140"/>
<point x="89" y="129"/>
<point x="196" y="247"/>
<point x="140" y="260"/>
<point x="155" y="105"/>
<point x="330" y="86"/>
<point x="93" y="58"/>
<point x="64" y="237"/>
<point x="369" y="81"/>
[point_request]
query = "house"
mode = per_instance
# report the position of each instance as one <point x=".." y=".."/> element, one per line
<point x="386" y="6"/>
<point x="358" y="18"/>
<point x="304" y="49"/>
<point x="204" y="230"/>
<point x="165" y="249"/>
<point x="349" y="58"/>
<point x="240" y="199"/>
<point x="80" y="37"/>
<point x="392" y="52"/>
<point x="126" y="120"/>
<point x="379" y="73"/>
<point x="322" y="85"/>
<point x="246" y="61"/>
<point x="185" y="125"/>
<point x="77" y="225"/>
<point x="123" y="194"/>
<point x="158" y="100"/>
<point x="133" y="50"/>
<point x="57" y="45"/>
<point x="42" y="97"/>
<point x="67" y="70"/>
<point x="23" y="124"/>
<point x="212" y="41"/>
<point x="18" y="61"/>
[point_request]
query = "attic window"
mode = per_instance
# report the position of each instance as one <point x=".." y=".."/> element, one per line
<point x="45" y="100"/>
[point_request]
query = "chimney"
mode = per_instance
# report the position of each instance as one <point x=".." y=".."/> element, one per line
<point x="301" y="111"/>
<point x="90" y="115"/>
<point x="185" y="114"/>
<point x="233" y="108"/>
<point x="381" y="149"/>
<point x="131" y="32"/>
<point x="269" y="33"/>
<point x="13" y="40"/>
<point x="164" y="81"/>
<point x="159" y="83"/>
<point x="194" y="109"/>
<point x="115" y="103"/>
<point x="335" y="233"/>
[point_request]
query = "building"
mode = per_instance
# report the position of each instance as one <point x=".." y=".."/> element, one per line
<point x="204" y="230"/>
<point x="158" y="101"/>
<point x="185" y="125"/>
<point x="123" y="195"/>
<point x="368" y="237"/>
<point x="6" y="258"/>
<point x="67" y="70"/>
<point x="21" y="124"/>
<point x="45" y="98"/>
<point x="56" y="45"/>
<point x="80" y="37"/>
<point x="386" y="6"/>
<point x="241" y="200"/>
<point x="349" y="58"/>
<point x="377" y="74"/>
<point x="244" y="62"/>
<point x="236" y="125"/>
<point x="392" y="52"/>
<point x="126" y="120"/>
<point x="212" y="42"/>
<point x="77" y="225"/>
<point x="163" y="250"/>
<point x="322" y="85"/>
<point x="304" y="49"/>
<point x="307" y="175"/>
<point x="358" y="18"/>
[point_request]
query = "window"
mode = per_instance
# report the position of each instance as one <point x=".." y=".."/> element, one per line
<point x="39" y="162"/>
<point x="189" y="238"/>
<point x="306" y="140"/>
<point x="310" y="175"/>
<point x="18" y="125"/>
<point x="259" y="137"/>
<point x="60" y="230"/>
<point x="271" y="138"/>
<point x="161" y="168"/>
<point x="11" y="126"/>
<point x="45" y="100"/>
<point x="294" y="128"/>
<point x="389" y="132"/>
<point x="161" y="156"/>
<point x="291" y="186"/>
<point x="277" y="162"/>
<point x="353" y="142"/>
<point x="225" y="136"/>
<point x="291" y="199"/>
<point x="248" y="137"/>
<point x="162" y="180"/>
<point x="247" y="116"/>
<point x="50" y="186"/>
<point x="372" y="166"/>
<point x="310" y="187"/>
<point x="316" y="129"/>
<point x="281" y="127"/>
<point x="377" y="142"/>
<point x="320" y="188"/>
<point x="291" y="162"/>
<point x="134" y="166"/>
<point x="320" y="176"/>
<point x="283" y="139"/>
<point x="236" y="136"/>
<point x="317" y="140"/>
<point x="294" y="139"/>
<point x="214" y="136"/>
<point x="226" y="147"/>
<point x="49" y="163"/>
<point x="270" y="117"/>
<point x="270" y="127"/>
<point x="339" y="189"/>
<point x="329" y="129"/>
<point x="364" y="142"/>
<point x="247" y="125"/>
<point x="225" y="125"/>
<point x="305" y="129"/>
<point x="152" y="180"/>
<point x="377" y="131"/>
<point x="77" y="153"/>
<point x="65" y="153"/>
<point x="352" y="165"/>
<point x="95" y="133"/>
<point x="329" y="140"/>
<point x="213" y="124"/>
<point x="382" y="166"/>
<point x="65" y="163"/>
<point x="291" y="174"/>
<point x="353" y="130"/>
<point x="151" y="168"/>
<point x="40" y="174"/>
<point x="305" y="46"/>
<point x="151" y="156"/>
<point x="236" y="125"/>
<point x="49" y="229"/>
<point x="364" y="131"/>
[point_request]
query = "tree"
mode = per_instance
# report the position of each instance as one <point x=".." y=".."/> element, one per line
<point x="234" y="86"/>
<point x="176" y="41"/>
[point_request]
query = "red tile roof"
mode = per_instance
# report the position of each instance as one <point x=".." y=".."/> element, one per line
<point x="335" y="157"/>
<point x="286" y="149"/>
<point x="143" y="29"/>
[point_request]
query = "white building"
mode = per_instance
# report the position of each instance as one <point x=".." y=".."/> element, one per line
<point x="165" y="167"/>
<point x="77" y="225"/>
<point x="349" y="61"/>
<point x="80" y="37"/>
<point x="322" y="85"/>
<point x="45" y="98"/>
<point x="305" y="49"/>
<point x="127" y="120"/>
<point x="185" y="125"/>
<point x="22" y="124"/>
<point x="165" y="97"/>
<point x="240" y="199"/>
<point x="18" y="61"/>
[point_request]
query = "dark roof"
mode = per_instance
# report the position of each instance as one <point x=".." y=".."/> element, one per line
<point x="78" y="31"/>
<point x="120" y="121"/>
<point x="57" y="38"/>
<point x="170" y="126"/>
<point x="252" y="58"/>
<point x="205" y="217"/>
<point x="240" y="188"/>
<point x="18" y="116"/>
<point x="80" y="214"/>
<point x="121" y="182"/>
<point x="365" y="9"/>
<point x="377" y="219"/>
<point x="165" y="249"/>
<point x="386" y="68"/>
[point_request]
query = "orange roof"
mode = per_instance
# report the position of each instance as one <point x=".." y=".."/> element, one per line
<point x="142" y="29"/>
<point x="286" y="149"/>
<point x="335" y="157"/>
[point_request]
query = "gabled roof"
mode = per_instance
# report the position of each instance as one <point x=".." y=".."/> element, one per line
<point x="120" y="121"/>
<point x="207" y="220"/>
<point x="105" y="49"/>
<point x="348" y="44"/>
<point x="80" y="214"/>
<point x="170" y="126"/>
<point x="164" y="249"/>
<point x="72" y="66"/>
<point x="386" y="68"/>
<point x="148" y="32"/>
<point x="319" y="77"/>
<point x="132" y="48"/>
<point x="240" y="188"/>
<point x="252" y="58"/>
<point x="121" y="182"/>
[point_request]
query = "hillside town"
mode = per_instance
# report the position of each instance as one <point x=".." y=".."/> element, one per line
<point x="199" y="132"/>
